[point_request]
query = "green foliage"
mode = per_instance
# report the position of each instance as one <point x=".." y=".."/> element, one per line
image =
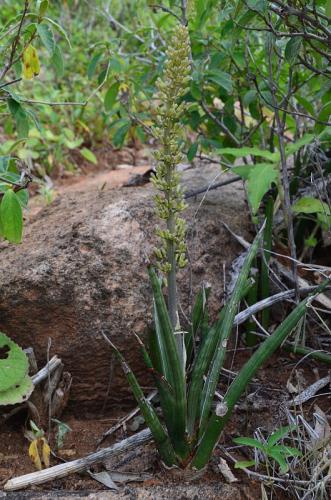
<point x="15" y="384"/>
<point x="62" y="430"/>
<point x="270" y="449"/>
<point x="11" y="218"/>
<point x="194" y="428"/>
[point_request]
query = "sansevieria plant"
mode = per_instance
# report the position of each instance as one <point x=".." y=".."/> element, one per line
<point x="186" y="366"/>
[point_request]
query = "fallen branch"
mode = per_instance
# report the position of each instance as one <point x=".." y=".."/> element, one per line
<point x="78" y="465"/>
<point x="53" y="363"/>
<point x="202" y="190"/>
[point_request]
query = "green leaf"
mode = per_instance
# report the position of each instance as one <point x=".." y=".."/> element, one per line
<point x="14" y="363"/>
<point x="328" y="8"/>
<point x="221" y="78"/>
<point x="278" y="457"/>
<point x="243" y="464"/>
<point x="47" y="37"/>
<point x="217" y="423"/>
<point x="323" y="116"/>
<point x="307" y="105"/>
<point x="23" y="197"/>
<point x="193" y="149"/>
<point x="4" y="161"/>
<point x="19" y="393"/>
<point x="280" y="434"/>
<point x="259" y="179"/>
<point x="152" y="420"/>
<point x="11" y="217"/>
<point x="293" y="148"/>
<point x="259" y="182"/>
<point x="247" y="441"/>
<point x="287" y="451"/>
<point x="292" y="48"/>
<point x="258" y="5"/>
<point x="200" y="318"/>
<point x="212" y="352"/>
<point x="20" y="116"/>
<point x="171" y="366"/>
<point x="62" y="430"/>
<point x="42" y="6"/>
<point x="120" y="134"/>
<point x="93" y="64"/>
<point x="111" y="95"/>
<point x="58" y="28"/>
<point x="310" y="205"/>
<point x="57" y="61"/>
<point x="242" y="152"/>
<point x="89" y="156"/>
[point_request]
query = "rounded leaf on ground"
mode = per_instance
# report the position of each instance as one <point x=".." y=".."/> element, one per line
<point x="18" y="393"/>
<point x="13" y="363"/>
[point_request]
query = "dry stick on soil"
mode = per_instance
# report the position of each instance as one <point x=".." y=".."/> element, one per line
<point x="124" y="420"/>
<point x="79" y="465"/>
<point x="52" y="365"/>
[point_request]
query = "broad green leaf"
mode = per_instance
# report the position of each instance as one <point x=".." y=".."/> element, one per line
<point x="57" y="61"/>
<point x="241" y="152"/>
<point x="120" y="134"/>
<point x="4" y="160"/>
<point x="111" y="95"/>
<point x="11" y="217"/>
<point x="221" y="78"/>
<point x="19" y="393"/>
<point x="9" y="176"/>
<point x="310" y="205"/>
<point x="259" y="182"/>
<point x="278" y="457"/>
<point x="23" y="197"/>
<point x="89" y="156"/>
<point x="47" y="37"/>
<point x="306" y="104"/>
<point x="20" y="116"/>
<point x="42" y="6"/>
<point x="244" y="170"/>
<point x="293" y="148"/>
<point x="259" y="178"/>
<point x="258" y="5"/>
<point x="192" y="151"/>
<point x="292" y="48"/>
<point x="13" y="363"/>
<point x="247" y="441"/>
<point x="59" y="28"/>
<point x="93" y="64"/>
<point x="242" y="22"/>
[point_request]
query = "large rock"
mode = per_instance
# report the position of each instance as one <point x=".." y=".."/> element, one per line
<point x="81" y="271"/>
